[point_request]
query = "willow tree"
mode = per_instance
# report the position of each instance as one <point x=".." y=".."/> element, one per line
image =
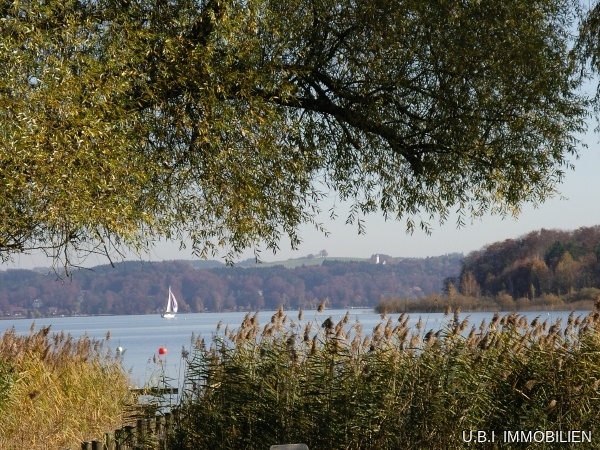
<point x="223" y="122"/>
<point x="587" y="46"/>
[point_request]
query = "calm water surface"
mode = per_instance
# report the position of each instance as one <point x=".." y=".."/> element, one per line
<point x="141" y="336"/>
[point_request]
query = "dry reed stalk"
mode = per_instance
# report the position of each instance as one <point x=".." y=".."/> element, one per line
<point x="419" y="325"/>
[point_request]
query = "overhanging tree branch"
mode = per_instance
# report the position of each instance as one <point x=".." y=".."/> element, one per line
<point x="213" y="119"/>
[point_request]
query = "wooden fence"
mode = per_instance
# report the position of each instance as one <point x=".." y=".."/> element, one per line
<point x="145" y="434"/>
<point x="150" y="433"/>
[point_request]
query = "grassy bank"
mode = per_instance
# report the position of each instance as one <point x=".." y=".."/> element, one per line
<point x="56" y="392"/>
<point x="332" y="385"/>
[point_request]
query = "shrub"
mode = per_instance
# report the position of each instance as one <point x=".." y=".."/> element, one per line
<point x="589" y="293"/>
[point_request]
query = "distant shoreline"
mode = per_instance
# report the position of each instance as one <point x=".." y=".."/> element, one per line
<point x="577" y="306"/>
<point x="58" y="317"/>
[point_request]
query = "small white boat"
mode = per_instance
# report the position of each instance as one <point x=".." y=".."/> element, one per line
<point x="171" y="306"/>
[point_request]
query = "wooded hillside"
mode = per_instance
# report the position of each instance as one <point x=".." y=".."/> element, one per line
<point x="141" y="288"/>
<point x="542" y="262"/>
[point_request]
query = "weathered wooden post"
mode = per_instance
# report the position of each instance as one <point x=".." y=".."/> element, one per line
<point x="109" y="442"/>
<point x="150" y="426"/>
<point x="126" y="438"/>
<point x="160" y="433"/>
<point x="140" y="431"/>
<point x="168" y="424"/>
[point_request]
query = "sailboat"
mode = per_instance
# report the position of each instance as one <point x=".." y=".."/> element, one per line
<point x="171" y="306"/>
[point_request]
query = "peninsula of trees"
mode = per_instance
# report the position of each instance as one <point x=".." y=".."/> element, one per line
<point x="542" y="269"/>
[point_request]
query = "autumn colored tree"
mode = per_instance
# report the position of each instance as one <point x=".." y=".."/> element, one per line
<point x="566" y="273"/>
<point x="224" y="122"/>
<point x="469" y="285"/>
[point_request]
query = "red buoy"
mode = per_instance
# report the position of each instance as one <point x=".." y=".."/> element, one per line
<point x="162" y="350"/>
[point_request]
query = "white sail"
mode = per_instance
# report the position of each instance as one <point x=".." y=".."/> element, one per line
<point x="172" y="301"/>
<point x="171" y="306"/>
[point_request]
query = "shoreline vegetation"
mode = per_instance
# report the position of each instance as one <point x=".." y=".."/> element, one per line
<point x="57" y="391"/>
<point x="330" y="384"/>
<point x="582" y="300"/>
<point x="544" y="269"/>
<point x="335" y="385"/>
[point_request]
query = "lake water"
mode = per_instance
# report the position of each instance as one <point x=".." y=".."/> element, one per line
<point x="141" y="336"/>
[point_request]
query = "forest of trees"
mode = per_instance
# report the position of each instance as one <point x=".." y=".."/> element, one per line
<point x="140" y="288"/>
<point x="542" y="270"/>
<point x="539" y="263"/>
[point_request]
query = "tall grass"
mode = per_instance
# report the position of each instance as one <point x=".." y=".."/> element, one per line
<point x="578" y="300"/>
<point x="332" y="386"/>
<point x="57" y="391"/>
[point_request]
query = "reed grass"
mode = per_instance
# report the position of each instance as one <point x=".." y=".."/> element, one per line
<point x="329" y="384"/>
<point x="57" y="391"/>
<point x="579" y="300"/>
